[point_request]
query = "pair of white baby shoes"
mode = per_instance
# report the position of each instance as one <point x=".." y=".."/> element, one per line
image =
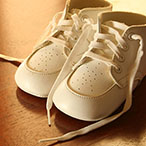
<point x="88" y="64"/>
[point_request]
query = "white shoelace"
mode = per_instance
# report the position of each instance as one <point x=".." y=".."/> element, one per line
<point x="67" y="35"/>
<point x="105" y="58"/>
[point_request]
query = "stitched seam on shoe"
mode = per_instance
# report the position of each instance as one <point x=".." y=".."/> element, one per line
<point x="40" y="73"/>
<point x="87" y="97"/>
<point x="31" y="70"/>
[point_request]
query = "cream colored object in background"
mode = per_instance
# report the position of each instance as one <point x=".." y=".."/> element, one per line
<point x="137" y="6"/>
<point x="112" y="64"/>
<point x="38" y="72"/>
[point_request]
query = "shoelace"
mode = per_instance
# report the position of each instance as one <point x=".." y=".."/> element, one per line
<point x="69" y="34"/>
<point x="64" y="26"/>
<point x="104" y="58"/>
<point x="89" y="24"/>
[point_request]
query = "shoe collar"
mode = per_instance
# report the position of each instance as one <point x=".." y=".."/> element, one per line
<point x="88" y="9"/>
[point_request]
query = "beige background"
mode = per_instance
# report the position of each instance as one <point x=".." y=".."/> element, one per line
<point x="138" y="6"/>
<point x="22" y="22"/>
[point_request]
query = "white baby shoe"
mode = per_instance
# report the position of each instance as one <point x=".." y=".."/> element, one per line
<point x="39" y="70"/>
<point x="111" y="67"/>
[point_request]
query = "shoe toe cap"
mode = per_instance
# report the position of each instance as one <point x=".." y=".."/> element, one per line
<point x="32" y="82"/>
<point x="84" y="107"/>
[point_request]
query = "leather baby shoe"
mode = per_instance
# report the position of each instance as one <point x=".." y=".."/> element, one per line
<point x="39" y="70"/>
<point x="105" y="75"/>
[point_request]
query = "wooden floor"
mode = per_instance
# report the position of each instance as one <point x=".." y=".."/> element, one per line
<point x="23" y="117"/>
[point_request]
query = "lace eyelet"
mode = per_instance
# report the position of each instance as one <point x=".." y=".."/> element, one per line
<point x="125" y="48"/>
<point x="121" y="58"/>
<point x="80" y="28"/>
<point x="75" y="38"/>
<point x="118" y="69"/>
<point x="130" y="36"/>
<point x="84" y="17"/>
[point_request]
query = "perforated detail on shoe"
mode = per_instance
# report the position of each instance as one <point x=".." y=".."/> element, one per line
<point x="48" y="59"/>
<point x="91" y="79"/>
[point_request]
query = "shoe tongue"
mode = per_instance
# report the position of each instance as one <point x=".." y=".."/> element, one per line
<point x="73" y="11"/>
<point x="87" y="13"/>
<point x="90" y="13"/>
